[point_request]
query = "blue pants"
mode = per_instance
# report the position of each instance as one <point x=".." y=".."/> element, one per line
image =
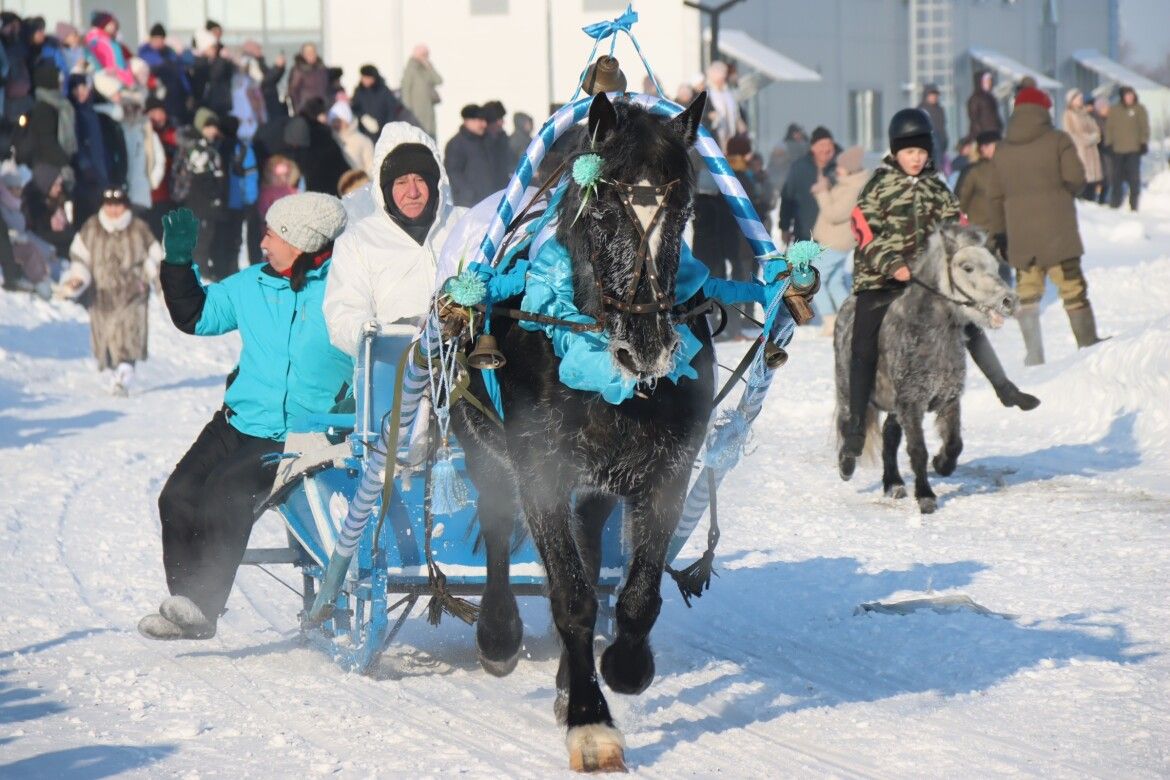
<point x="835" y="284"/>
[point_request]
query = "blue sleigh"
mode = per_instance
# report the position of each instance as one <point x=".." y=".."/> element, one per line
<point x="364" y="570"/>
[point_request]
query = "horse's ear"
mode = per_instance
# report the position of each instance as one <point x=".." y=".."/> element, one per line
<point x="687" y="123"/>
<point x="602" y="117"/>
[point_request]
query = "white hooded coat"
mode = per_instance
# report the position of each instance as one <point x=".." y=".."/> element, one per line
<point x="379" y="272"/>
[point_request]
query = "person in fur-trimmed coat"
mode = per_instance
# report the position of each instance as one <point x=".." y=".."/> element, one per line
<point x="116" y="254"/>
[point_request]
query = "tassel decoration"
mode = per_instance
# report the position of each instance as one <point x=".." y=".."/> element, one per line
<point x="449" y="492"/>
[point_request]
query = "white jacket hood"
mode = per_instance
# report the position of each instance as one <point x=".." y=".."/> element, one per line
<point x="378" y="271"/>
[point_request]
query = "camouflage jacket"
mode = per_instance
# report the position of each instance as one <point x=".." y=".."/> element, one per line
<point x="894" y="215"/>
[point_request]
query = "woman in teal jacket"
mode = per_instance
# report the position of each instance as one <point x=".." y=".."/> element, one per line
<point x="287" y="369"/>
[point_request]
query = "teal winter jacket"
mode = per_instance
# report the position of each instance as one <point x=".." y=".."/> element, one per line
<point x="287" y="367"/>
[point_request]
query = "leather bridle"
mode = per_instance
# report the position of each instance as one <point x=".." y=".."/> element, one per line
<point x="632" y="195"/>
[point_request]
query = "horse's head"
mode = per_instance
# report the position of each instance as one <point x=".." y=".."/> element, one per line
<point x="961" y="267"/>
<point x="625" y="243"/>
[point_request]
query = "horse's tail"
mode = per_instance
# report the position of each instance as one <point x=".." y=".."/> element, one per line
<point x="872" y="452"/>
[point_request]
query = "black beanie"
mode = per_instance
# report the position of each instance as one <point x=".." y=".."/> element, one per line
<point x="158" y="31"/>
<point x="924" y="141"/>
<point x="371" y="71"/>
<point x="820" y="134"/>
<point x="404" y="159"/>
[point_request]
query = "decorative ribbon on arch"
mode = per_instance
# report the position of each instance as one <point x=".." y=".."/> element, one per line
<point x="599" y="31"/>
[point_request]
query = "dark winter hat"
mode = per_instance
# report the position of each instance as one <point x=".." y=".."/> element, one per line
<point x="910" y="128"/>
<point x="7" y="18"/>
<point x="115" y="194"/>
<point x="411" y="158"/>
<point x="100" y="19"/>
<point x="494" y="111"/>
<point x="472" y="111"/>
<point x="988" y="137"/>
<point x="1121" y="93"/>
<point x="33" y="25"/>
<point x="47" y="75"/>
<point x="154" y="102"/>
<point x="158" y="31"/>
<point x="1031" y="96"/>
<point x="793" y="131"/>
<point x="371" y="71"/>
<point x="78" y="79"/>
<point x="821" y="133"/>
<point x="739" y="145"/>
<point x="212" y="25"/>
<point x="930" y="89"/>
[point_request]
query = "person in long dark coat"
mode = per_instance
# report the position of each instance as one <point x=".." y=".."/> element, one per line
<point x="310" y="143"/>
<point x="982" y="107"/>
<point x="50" y="136"/>
<point x="472" y="171"/>
<point x="89" y="164"/>
<point x="374" y="104"/>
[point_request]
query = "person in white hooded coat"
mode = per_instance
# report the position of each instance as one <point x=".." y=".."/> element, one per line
<point x="384" y="263"/>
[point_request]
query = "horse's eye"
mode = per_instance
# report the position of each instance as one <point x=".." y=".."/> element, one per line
<point x="968" y="268"/>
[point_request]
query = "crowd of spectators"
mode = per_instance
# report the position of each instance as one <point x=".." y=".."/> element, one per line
<point x="222" y="131"/>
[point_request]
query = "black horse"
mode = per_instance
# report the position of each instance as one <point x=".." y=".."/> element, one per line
<point x="567" y="457"/>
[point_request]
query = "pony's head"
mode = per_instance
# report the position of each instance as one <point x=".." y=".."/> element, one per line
<point x="961" y="267"/>
<point x="625" y="241"/>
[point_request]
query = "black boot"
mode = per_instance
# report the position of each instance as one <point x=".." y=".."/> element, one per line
<point x="984" y="356"/>
<point x="861" y="380"/>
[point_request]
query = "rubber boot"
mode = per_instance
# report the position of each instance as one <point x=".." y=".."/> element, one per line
<point x="1029" y="318"/>
<point x="984" y="356"/>
<point x="1084" y="326"/>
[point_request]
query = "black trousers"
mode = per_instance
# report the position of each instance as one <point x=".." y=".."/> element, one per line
<point x="871" y="309"/>
<point x="207" y="510"/>
<point x="1127" y="170"/>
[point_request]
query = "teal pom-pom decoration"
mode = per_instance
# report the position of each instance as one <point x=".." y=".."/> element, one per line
<point x="587" y="169"/>
<point x="466" y="289"/>
<point x="803" y="253"/>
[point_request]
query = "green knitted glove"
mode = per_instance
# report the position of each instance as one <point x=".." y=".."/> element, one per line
<point x="180" y="232"/>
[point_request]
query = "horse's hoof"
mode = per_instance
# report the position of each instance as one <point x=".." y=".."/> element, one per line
<point x="596" y="748"/>
<point x="927" y="505"/>
<point x="629" y="672"/>
<point x="943" y="466"/>
<point x="896" y="491"/>
<point x="499" y="633"/>
<point x="845" y="466"/>
<point x="561" y="707"/>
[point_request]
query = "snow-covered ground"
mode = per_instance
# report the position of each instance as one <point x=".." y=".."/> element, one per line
<point x="1057" y="521"/>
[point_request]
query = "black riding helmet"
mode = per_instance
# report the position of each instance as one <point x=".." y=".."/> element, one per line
<point x="910" y="128"/>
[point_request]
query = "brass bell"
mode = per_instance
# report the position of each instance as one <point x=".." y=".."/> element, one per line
<point x="774" y="356"/>
<point x="486" y="356"/>
<point x="605" y="75"/>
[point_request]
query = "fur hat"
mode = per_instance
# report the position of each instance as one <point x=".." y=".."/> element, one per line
<point x="1031" y="96"/>
<point x="852" y="159"/>
<point x="988" y="137"/>
<point x="493" y="111"/>
<point x="410" y="158"/>
<point x="307" y="220"/>
<point x="471" y="111"/>
<point x="820" y="134"/>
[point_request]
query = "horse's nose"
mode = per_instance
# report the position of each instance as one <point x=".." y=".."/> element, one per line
<point x="626" y="359"/>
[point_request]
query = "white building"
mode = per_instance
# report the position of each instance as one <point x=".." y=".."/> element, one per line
<point x="528" y="54"/>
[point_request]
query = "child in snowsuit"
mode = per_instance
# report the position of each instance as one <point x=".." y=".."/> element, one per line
<point x="116" y="254"/>
<point x="287" y="369"/>
<point x="896" y="212"/>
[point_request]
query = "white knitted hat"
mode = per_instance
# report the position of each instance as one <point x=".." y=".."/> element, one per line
<point x="308" y="220"/>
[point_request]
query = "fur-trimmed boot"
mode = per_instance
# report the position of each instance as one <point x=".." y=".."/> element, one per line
<point x="1084" y="326"/>
<point x="1029" y="318"/>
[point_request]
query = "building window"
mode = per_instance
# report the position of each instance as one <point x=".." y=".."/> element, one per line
<point x="489" y="7"/>
<point x="865" y="118"/>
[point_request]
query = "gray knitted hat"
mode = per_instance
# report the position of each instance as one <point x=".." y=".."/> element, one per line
<point x="308" y="220"/>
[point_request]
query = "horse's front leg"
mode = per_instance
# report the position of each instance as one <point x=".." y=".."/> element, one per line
<point x="911" y="421"/>
<point x="892" y="484"/>
<point x="595" y="745"/>
<point x="949" y="427"/>
<point x="628" y="663"/>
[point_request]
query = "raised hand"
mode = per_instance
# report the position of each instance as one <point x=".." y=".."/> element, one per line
<point x="180" y="233"/>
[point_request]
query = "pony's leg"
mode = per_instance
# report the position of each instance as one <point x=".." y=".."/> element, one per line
<point x="892" y="484"/>
<point x="592" y="512"/>
<point x="911" y="420"/>
<point x="594" y="743"/>
<point x="949" y="428"/>
<point x="628" y="663"/>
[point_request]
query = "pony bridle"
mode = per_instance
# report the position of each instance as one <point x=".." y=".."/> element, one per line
<point x="632" y="195"/>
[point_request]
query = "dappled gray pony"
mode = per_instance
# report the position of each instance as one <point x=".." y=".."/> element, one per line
<point x="922" y="361"/>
